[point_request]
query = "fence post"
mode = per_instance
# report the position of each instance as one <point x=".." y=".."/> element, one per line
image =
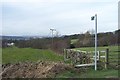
<point x="98" y="55"/>
<point x="65" y="54"/>
<point x="106" y="58"/>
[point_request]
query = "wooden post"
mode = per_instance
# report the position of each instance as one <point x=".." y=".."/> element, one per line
<point x="71" y="57"/>
<point x="106" y="58"/>
<point x="64" y="53"/>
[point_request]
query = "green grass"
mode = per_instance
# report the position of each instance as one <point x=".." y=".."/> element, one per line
<point x="111" y="48"/>
<point x="113" y="52"/>
<point x="14" y="55"/>
<point x="73" y="41"/>
<point x="89" y="74"/>
<point x="0" y="55"/>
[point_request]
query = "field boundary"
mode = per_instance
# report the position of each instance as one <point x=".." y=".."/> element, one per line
<point x="84" y="58"/>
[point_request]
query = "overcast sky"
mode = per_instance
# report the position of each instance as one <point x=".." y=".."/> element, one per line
<point x="36" y="17"/>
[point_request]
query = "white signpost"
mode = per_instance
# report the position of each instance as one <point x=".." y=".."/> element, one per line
<point x="95" y="18"/>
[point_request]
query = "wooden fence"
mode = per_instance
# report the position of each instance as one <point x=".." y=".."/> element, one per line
<point x="85" y="58"/>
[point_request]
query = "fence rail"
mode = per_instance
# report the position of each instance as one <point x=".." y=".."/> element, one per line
<point x="85" y="58"/>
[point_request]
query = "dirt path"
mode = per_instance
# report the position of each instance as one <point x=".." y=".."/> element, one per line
<point x="39" y="69"/>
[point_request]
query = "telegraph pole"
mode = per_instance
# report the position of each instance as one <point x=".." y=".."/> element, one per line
<point x="52" y="35"/>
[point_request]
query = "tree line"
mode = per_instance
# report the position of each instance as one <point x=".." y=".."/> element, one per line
<point x="60" y="43"/>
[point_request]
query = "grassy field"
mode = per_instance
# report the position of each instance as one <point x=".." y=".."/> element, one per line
<point x="113" y="52"/>
<point x="73" y="41"/>
<point x="111" y="48"/>
<point x="0" y="55"/>
<point x="90" y="74"/>
<point x="13" y="55"/>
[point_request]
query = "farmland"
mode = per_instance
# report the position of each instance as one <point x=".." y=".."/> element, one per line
<point x="113" y="52"/>
<point x="73" y="41"/>
<point x="90" y="74"/>
<point x="14" y="55"/>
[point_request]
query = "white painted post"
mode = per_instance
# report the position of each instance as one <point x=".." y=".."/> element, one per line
<point x="98" y="55"/>
<point x="95" y="41"/>
<point x="92" y="18"/>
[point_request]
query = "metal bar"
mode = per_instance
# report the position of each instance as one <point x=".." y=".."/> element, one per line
<point x="92" y="64"/>
<point x="102" y="56"/>
<point x="102" y="51"/>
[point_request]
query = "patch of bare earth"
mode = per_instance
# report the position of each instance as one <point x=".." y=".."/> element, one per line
<point x="40" y="69"/>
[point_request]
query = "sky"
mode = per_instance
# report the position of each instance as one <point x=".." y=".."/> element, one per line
<point x="37" y="17"/>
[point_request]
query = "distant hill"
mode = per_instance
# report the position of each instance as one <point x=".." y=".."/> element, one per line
<point x="14" y="38"/>
<point x="18" y="37"/>
<point x="74" y="36"/>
